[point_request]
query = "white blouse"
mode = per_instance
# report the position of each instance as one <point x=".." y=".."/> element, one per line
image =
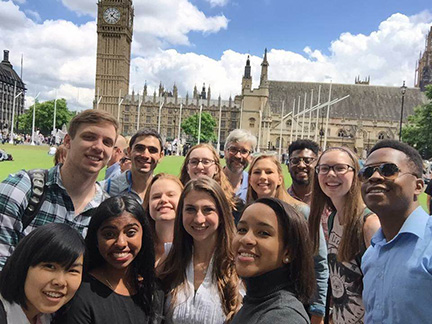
<point x="15" y="314"/>
<point x="202" y="306"/>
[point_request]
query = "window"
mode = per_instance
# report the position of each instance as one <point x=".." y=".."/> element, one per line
<point x="148" y="119"/>
<point x="342" y="133"/>
<point x="381" y="136"/>
<point x="251" y="122"/>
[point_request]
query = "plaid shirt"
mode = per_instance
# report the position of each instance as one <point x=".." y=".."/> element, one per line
<point x="57" y="207"/>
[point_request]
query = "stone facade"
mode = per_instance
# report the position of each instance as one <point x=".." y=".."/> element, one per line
<point x="424" y="65"/>
<point x="10" y="86"/>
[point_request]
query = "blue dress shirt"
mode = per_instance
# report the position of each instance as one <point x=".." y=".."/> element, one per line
<point x="398" y="274"/>
<point x="242" y="191"/>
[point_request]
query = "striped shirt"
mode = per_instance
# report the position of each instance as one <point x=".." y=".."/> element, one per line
<point x="57" y="207"/>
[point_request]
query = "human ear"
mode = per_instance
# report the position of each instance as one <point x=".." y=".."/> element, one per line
<point x="286" y="257"/>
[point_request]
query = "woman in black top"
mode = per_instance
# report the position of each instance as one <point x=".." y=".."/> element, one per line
<point x="274" y="258"/>
<point x="119" y="286"/>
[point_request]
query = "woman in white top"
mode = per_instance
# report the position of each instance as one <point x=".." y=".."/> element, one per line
<point x="198" y="274"/>
<point x="160" y="205"/>
<point x="42" y="274"/>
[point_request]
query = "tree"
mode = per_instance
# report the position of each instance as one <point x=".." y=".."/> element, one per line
<point x="418" y="130"/>
<point x="191" y="124"/>
<point x="44" y="116"/>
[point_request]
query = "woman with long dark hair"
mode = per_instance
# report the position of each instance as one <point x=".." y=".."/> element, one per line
<point x="273" y="256"/>
<point x="198" y="274"/>
<point x="41" y="275"/>
<point x="351" y="227"/>
<point x="120" y="283"/>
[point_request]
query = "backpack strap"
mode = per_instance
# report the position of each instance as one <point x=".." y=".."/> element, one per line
<point x="38" y="179"/>
<point x="3" y="316"/>
<point x="330" y="221"/>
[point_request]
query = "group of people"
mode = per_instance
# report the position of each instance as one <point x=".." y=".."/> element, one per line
<point x="218" y="244"/>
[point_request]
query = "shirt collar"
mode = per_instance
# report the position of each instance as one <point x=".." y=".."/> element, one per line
<point x="415" y="224"/>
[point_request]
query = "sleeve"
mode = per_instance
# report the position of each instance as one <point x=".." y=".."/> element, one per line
<point x="282" y="315"/>
<point x="428" y="189"/>
<point x="318" y="302"/>
<point x="317" y="306"/>
<point x="15" y="192"/>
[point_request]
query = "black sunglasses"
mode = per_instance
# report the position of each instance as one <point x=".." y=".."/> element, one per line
<point x="390" y="171"/>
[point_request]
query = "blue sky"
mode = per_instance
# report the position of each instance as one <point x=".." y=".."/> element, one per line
<point x="194" y="41"/>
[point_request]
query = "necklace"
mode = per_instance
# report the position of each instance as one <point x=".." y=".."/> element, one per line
<point x="107" y="281"/>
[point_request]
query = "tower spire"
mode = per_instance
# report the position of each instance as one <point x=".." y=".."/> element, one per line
<point x="264" y="69"/>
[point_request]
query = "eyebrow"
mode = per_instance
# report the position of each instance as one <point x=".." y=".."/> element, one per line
<point x="116" y="228"/>
<point x="78" y="264"/>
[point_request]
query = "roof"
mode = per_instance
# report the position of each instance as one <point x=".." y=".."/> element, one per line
<point x="8" y="75"/>
<point x="365" y="102"/>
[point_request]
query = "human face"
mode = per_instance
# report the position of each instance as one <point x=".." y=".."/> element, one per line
<point x="265" y="178"/>
<point x="391" y="196"/>
<point x="302" y="173"/>
<point x="119" y="240"/>
<point x="145" y="154"/>
<point x="164" y="197"/>
<point x="200" y="170"/>
<point x="334" y="185"/>
<point x="236" y="161"/>
<point x="49" y="286"/>
<point x="258" y="243"/>
<point x="200" y="216"/>
<point x="91" y="148"/>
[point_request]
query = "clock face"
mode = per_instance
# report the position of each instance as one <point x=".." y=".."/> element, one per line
<point x="111" y="15"/>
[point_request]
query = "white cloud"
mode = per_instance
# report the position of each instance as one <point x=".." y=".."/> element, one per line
<point x="216" y="3"/>
<point x="33" y="14"/>
<point x="81" y="7"/>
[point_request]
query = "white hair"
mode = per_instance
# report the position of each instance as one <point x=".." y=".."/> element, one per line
<point x="241" y="136"/>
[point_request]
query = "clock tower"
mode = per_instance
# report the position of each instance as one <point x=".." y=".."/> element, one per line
<point x="114" y="39"/>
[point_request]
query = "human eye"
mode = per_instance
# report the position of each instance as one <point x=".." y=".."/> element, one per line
<point x="241" y="230"/>
<point x="48" y="265"/>
<point x="131" y="232"/>
<point x="189" y="209"/>
<point x="75" y="270"/>
<point x="244" y="151"/>
<point x="323" y="169"/>
<point x="263" y="233"/>
<point x="206" y="162"/>
<point x="108" y="235"/>
<point x="153" y="150"/>
<point x="269" y="171"/>
<point x="193" y="162"/>
<point x="340" y="168"/>
<point x="208" y="210"/>
<point x="88" y="136"/>
<point x="256" y="171"/>
<point x="108" y="142"/>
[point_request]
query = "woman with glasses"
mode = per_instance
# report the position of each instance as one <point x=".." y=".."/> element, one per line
<point x="351" y="227"/>
<point x="198" y="274"/>
<point x="202" y="160"/>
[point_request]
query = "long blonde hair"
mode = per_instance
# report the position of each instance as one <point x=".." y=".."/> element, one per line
<point x="352" y="236"/>
<point x="281" y="191"/>
<point x="173" y="268"/>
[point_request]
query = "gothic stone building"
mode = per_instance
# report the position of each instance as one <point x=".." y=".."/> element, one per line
<point x="366" y="114"/>
<point x="10" y="86"/>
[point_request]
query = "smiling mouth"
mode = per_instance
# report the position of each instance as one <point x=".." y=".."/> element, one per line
<point x="200" y="228"/>
<point x="53" y="294"/>
<point x="94" y="158"/>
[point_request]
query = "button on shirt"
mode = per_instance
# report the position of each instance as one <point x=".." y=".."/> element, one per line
<point x="398" y="274"/>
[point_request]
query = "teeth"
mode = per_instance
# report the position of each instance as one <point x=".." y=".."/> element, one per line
<point x="93" y="158"/>
<point x="245" y="254"/>
<point x="199" y="228"/>
<point x="377" y="190"/>
<point x="53" y="294"/>
<point x="120" y="255"/>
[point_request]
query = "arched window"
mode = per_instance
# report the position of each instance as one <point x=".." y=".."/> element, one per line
<point x="382" y="136"/>
<point x="251" y="122"/>
<point x="342" y="133"/>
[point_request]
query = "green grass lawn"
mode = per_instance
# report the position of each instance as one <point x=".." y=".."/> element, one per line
<point x="31" y="157"/>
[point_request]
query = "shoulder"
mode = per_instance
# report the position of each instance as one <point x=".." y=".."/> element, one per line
<point x="288" y="310"/>
<point x="15" y="190"/>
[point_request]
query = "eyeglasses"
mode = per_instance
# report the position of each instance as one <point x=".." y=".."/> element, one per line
<point x="243" y="152"/>
<point x="390" y="171"/>
<point x="339" y="169"/>
<point x="205" y="162"/>
<point x="297" y="160"/>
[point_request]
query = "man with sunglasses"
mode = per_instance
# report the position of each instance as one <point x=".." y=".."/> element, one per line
<point x="145" y="151"/>
<point x="303" y="154"/>
<point x="397" y="267"/>
<point x="239" y="146"/>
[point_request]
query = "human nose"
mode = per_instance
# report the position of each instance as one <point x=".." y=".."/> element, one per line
<point x="247" y="239"/>
<point x="199" y="217"/>
<point x="163" y="198"/>
<point x="200" y="165"/>
<point x="376" y="175"/>
<point x="59" y="278"/>
<point x="98" y="145"/>
<point x="121" y="241"/>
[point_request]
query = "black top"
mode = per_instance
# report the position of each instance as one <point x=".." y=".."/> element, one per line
<point x="269" y="300"/>
<point x="97" y="304"/>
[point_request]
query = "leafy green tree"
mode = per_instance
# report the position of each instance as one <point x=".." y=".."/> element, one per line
<point x="44" y="116"/>
<point x="418" y="130"/>
<point x="191" y="124"/>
